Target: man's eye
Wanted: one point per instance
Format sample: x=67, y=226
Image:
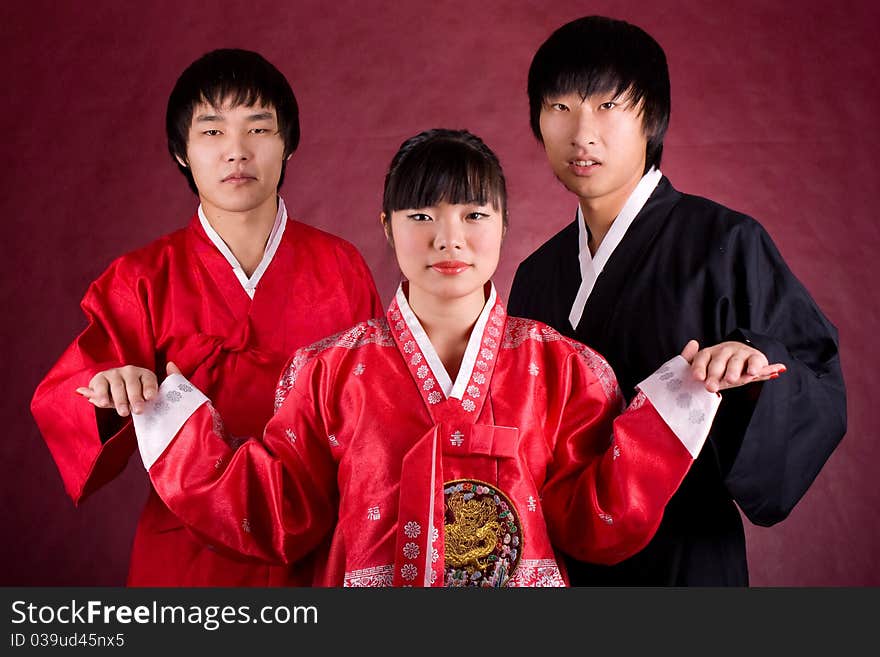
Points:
x=260, y=131
x=559, y=107
x=211, y=133
x=608, y=105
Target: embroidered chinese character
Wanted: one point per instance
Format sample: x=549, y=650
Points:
x=373, y=513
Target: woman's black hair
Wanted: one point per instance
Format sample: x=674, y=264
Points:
x=440, y=165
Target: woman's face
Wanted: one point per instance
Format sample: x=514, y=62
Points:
x=447, y=251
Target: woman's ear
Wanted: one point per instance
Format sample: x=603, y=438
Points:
x=386, y=226
x=181, y=161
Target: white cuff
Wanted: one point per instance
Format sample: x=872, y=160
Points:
x=164, y=415
x=683, y=402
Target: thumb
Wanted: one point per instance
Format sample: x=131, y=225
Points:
x=171, y=368
x=690, y=350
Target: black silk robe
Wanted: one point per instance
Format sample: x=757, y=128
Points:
x=690, y=268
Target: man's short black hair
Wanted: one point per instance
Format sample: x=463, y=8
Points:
x=240, y=77
x=441, y=165
x=596, y=54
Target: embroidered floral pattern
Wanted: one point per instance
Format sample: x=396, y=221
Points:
x=373, y=331
x=409, y=572
x=411, y=550
x=412, y=529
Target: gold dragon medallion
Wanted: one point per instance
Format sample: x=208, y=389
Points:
x=483, y=534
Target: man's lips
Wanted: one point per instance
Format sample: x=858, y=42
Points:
x=584, y=166
x=450, y=267
x=238, y=178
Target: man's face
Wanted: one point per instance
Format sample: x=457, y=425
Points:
x=235, y=155
x=595, y=145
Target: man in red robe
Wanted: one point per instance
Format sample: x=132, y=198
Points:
x=228, y=298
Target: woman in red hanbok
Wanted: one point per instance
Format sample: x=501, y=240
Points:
x=445, y=444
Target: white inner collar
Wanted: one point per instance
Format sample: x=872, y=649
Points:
x=592, y=265
x=249, y=284
x=442, y=377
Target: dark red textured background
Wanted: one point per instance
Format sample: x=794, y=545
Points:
x=775, y=109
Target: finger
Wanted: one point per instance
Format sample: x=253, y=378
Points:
x=690, y=350
x=734, y=372
x=771, y=371
x=88, y=393
x=100, y=391
x=716, y=368
x=756, y=362
x=171, y=368
x=133, y=389
x=701, y=362
x=149, y=384
x=118, y=393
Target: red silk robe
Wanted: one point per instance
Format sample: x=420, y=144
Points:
x=178, y=299
x=366, y=447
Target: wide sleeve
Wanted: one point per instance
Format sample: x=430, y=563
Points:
x=91, y=446
x=271, y=499
x=772, y=439
x=613, y=473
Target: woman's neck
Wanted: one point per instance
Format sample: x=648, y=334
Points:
x=448, y=323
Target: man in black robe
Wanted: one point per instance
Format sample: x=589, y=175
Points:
x=643, y=269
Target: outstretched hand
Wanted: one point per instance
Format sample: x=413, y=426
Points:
x=127, y=389
x=729, y=364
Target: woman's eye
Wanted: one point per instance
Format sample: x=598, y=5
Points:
x=477, y=215
x=419, y=216
x=608, y=105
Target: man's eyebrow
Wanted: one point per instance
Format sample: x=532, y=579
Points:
x=261, y=116
x=208, y=117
